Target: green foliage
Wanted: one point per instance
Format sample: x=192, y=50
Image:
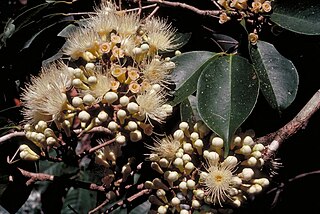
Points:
x=274, y=71
x=298, y=16
x=185, y=76
x=227, y=92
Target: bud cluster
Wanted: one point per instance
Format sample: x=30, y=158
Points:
x=195, y=174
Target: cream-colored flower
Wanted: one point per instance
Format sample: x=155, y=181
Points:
x=156, y=71
x=127, y=24
x=81, y=40
x=160, y=35
x=151, y=105
x=103, y=24
x=165, y=148
x=218, y=181
x=102, y=86
x=44, y=97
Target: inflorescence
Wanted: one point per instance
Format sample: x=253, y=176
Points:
x=195, y=176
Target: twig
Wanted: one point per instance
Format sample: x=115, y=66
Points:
x=93, y=149
x=34, y=177
x=99, y=207
x=281, y=186
x=11, y=135
x=213, y=13
x=274, y=140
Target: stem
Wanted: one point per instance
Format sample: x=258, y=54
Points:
x=11, y=135
x=213, y=13
x=274, y=140
x=34, y=177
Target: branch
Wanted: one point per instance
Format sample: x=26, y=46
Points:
x=300, y=121
x=213, y=13
x=11, y=135
x=34, y=177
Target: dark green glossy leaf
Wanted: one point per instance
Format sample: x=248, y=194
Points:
x=278, y=76
x=227, y=93
x=81, y=200
x=188, y=110
x=298, y=16
x=188, y=69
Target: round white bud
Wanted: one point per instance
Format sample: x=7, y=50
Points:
x=162, y=210
x=186, y=158
x=77, y=72
x=156, y=87
x=191, y=184
x=77, y=101
x=84, y=116
x=177, y=53
x=194, y=136
x=51, y=141
x=92, y=80
x=124, y=100
x=183, y=211
x=90, y=66
x=135, y=136
x=195, y=204
x=132, y=126
x=103, y=116
x=247, y=174
x=187, y=147
x=113, y=126
x=178, y=135
x=199, y=194
x=88, y=99
x=175, y=201
x=132, y=107
x=120, y=139
x=110, y=97
x=164, y=163
x=248, y=141
x=144, y=47
x=40, y=138
x=217, y=142
x=41, y=126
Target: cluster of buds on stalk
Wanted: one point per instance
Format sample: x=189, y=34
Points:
x=194, y=174
x=254, y=12
x=114, y=78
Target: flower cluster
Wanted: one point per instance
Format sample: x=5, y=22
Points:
x=195, y=175
x=114, y=78
x=253, y=11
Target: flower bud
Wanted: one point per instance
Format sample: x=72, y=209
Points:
x=113, y=126
x=191, y=184
x=120, y=139
x=77, y=102
x=189, y=167
x=79, y=84
x=248, y=141
x=162, y=209
x=135, y=136
x=195, y=204
x=84, y=116
x=199, y=194
x=162, y=195
x=88, y=99
x=41, y=126
x=110, y=97
x=247, y=174
x=92, y=80
x=164, y=163
x=194, y=136
x=178, y=135
x=51, y=141
x=155, y=166
x=187, y=148
x=178, y=162
x=121, y=115
x=27, y=154
x=198, y=144
x=124, y=100
x=183, y=187
x=167, y=109
x=132, y=107
x=102, y=116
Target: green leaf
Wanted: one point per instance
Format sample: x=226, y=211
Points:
x=188, y=69
x=278, y=76
x=227, y=93
x=188, y=110
x=81, y=200
x=298, y=16
x=142, y=208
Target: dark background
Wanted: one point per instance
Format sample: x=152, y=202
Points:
x=299, y=154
